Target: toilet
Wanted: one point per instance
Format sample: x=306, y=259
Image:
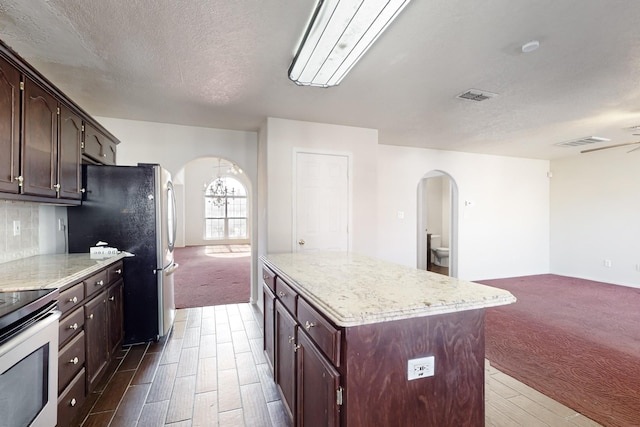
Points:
x=440, y=254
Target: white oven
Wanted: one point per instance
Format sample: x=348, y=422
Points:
x=29, y=371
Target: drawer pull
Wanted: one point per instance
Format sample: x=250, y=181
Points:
x=112, y=298
x=73, y=300
x=119, y=271
x=291, y=339
x=74, y=326
x=100, y=282
x=308, y=325
x=73, y=402
x=282, y=294
x=296, y=348
x=75, y=360
x=90, y=316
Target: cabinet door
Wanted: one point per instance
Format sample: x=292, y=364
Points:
x=317, y=391
x=95, y=329
x=98, y=147
x=269, y=325
x=285, y=361
x=69, y=165
x=40, y=141
x=9, y=127
x=115, y=316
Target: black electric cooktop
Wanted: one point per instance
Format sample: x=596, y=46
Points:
x=20, y=306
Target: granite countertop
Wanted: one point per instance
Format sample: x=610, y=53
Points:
x=50, y=271
x=352, y=289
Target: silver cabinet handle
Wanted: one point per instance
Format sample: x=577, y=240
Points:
x=112, y=298
x=282, y=294
x=73, y=402
x=291, y=339
x=20, y=180
x=75, y=360
x=83, y=190
x=119, y=271
x=296, y=348
x=90, y=316
x=73, y=300
x=100, y=282
x=301, y=242
x=308, y=325
x=74, y=326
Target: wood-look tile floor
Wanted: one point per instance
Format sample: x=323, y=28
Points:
x=211, y=371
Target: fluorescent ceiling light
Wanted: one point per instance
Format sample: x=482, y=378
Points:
x=339, y=33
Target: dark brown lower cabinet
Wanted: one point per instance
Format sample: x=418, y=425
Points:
x=95, y=326
x=269, y=299
x=115, y=316
x=285, y=358
x=318, y=387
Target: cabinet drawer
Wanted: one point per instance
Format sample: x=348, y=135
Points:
x=323, y=333
x=71, y=298
x=70, y=361
x=287, y=295
x=71, y=400
x=269, y=278
x=114, y=272
x=71, y=325
x=95, y=283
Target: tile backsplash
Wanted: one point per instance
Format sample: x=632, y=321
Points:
x=25, y=244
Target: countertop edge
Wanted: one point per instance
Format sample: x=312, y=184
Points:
x=75, y=277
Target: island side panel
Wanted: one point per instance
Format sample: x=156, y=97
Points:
x=377, y=391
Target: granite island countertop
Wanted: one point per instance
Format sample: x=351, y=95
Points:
x=50, y=271
x=353, y=289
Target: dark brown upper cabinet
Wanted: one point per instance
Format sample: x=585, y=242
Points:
x=9, y=127
x=98, y=147
x=69, y=154
x=40, y=142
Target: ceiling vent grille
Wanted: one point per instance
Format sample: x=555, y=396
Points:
x=582, y=141
x=476, y=95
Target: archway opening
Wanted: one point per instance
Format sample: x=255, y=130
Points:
x=437, y=233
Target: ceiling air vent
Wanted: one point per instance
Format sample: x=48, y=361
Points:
x=476, y=95
x=582, y=141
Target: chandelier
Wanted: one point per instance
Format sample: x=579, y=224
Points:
x=217, y=190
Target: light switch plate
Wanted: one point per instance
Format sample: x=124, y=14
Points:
x=16, y=228
x=420, y=368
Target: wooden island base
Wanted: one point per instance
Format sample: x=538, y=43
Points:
x=377, y=392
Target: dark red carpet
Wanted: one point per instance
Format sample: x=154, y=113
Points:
x=576, y=341
x=212, y=275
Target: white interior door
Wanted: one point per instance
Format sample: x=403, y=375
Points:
x=321, y=207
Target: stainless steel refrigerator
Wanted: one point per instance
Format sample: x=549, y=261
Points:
x=132, y=208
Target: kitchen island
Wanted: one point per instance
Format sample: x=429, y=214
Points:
x=356, y=341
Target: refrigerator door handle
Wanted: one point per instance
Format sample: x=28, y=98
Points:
x=170, y=269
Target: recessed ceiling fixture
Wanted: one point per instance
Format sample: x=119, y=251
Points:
x=476, y=95
x=530, y=46
x=339, y=33
x=582, y=141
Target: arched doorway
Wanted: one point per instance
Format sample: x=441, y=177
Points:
x=437, y=233
x=216, y=249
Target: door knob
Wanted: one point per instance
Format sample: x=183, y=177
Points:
x=301, y=242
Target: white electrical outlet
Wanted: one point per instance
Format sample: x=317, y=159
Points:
x=60, y=224
x=607, y=263
x=421, y=368
x=16, y=228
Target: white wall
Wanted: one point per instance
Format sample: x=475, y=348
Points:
x=595, y=216
x=282, y=136
x=505, y=233
x=174, y=146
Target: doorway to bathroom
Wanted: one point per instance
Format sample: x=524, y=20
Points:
x=437, y=224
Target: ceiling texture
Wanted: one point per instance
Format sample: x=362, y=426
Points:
x=223, y=64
